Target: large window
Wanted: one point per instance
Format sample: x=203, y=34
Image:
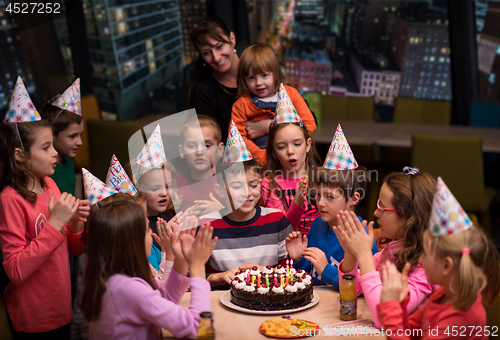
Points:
x=340, y=41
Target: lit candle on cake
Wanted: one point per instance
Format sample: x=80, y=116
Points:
x=287, y=267
x=248, y=275
x=253, y=280
x=286, y=282
x=275, y=279
x=258, y=280
x=267, y=280
x=282, y=281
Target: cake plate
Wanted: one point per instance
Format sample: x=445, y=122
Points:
x=225, y=299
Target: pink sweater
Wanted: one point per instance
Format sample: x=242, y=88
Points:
x=370, y=284
x=35, y=258
x=435, y=320
x=132, y=309
x=299, y=217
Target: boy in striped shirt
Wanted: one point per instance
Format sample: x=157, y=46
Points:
x=248, y=234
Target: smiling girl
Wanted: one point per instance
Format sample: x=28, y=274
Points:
x=290, y=154
x=259, y=78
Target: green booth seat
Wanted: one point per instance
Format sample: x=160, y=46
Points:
x=106, y=139
x=422, y=111
x=459, y=161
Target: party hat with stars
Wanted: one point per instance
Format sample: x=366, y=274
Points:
x=117, y=178
x=152, y=153
x=447, y=215
x=95, y=189
x=285, y=111
x=340, y=156
x=21, y=108
x=236, y=149
x=70, y=99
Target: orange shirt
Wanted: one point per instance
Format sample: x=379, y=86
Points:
x=244, y=110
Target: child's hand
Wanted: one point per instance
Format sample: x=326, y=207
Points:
x=207, y=206
x=352, y=234
x=188, y=223
x=258, y=129
x=175, y=244
x=165, y=230
x=295, y=245
x=317, y=258
x=198, y=250
x=223, y=277
x=301, y=192
x=249, y=265
x=179, y=218
x=63, y=210
x=246, y=266
x=83, y=211
x=180, y=262
x=395, y=284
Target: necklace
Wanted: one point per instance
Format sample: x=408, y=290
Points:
x=223, y=88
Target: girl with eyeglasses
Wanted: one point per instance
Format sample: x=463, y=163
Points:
x=403, y=211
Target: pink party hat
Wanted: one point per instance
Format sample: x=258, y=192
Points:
x=118, y=179
x=340, y=156
x=21, y=108
x=447, y=215
x=152, y=153
x=95, y=189
x=236, y=149
x=70, y=99
x=285, y=111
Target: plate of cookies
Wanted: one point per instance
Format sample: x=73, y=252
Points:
x=288, y=328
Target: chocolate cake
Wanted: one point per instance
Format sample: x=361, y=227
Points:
x=286, y=290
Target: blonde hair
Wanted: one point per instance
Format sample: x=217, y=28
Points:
x=477, y=272
x=259, y=58
x=135, y=172
x=202, y=121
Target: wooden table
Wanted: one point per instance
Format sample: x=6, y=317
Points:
x=400, y=135
x=233, y=325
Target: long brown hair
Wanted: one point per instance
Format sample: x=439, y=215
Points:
x=259, y=58
x=273, y=164
x=115, y=240
x=214, y=28
x=415, y=208
x=16, y=174
x=477, y=272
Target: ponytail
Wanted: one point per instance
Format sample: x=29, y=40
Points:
x=470, y=281
x=478, y=269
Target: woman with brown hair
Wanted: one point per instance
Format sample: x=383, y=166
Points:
x=213, y=81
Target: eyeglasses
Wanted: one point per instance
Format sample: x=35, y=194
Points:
x=384, y=209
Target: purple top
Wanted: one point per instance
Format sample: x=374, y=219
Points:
x=132, y=309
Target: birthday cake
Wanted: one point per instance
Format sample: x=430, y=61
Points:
x=272, y=289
